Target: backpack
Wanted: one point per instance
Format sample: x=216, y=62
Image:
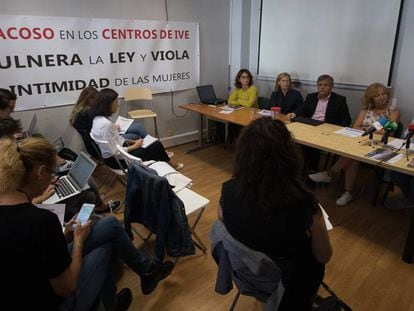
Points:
x=329, y=303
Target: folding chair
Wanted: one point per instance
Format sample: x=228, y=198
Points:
x=194, y=202
x=145, y=94
x=120, y=172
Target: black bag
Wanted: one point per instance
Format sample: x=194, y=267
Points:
x=330, y=303
x=67, y=154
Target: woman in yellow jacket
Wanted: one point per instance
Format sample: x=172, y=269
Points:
x=245, y=93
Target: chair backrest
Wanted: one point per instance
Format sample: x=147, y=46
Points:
x=263, y=102
x=138, y=93
x=91, y=147
x=128, y=158
x=254, y=273
x=114, y=151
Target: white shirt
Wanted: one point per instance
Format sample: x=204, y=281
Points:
x=105, y=131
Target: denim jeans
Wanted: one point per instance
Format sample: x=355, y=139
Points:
x=135, y=131
x=106, y=241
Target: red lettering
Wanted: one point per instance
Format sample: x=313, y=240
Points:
x=27, y=33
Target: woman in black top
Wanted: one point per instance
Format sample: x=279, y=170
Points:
x=267, y=207
x=284, y=96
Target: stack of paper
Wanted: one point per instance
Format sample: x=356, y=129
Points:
x=175, y=179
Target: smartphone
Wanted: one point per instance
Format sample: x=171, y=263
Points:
x=85, y=213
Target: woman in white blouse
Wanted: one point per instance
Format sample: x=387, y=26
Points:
x=103, y=107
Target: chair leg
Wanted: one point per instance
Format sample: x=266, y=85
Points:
x=236, y=298
x=156, y=128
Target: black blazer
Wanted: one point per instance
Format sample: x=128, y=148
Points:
x=336, y=113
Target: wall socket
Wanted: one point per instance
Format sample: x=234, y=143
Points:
x=170, y=133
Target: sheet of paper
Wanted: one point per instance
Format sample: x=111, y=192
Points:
x=123, y=123
x=226, y=111
x=328, y=224
x=397, y=143
x=58, y=209
x=148, y=140
x=350, y=132
x=178, y=181
x=162, y=168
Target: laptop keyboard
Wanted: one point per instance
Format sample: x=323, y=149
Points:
x=64, y=188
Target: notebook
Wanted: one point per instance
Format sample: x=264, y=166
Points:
x=29, y=132
x=75, y=181
x=307, y=121
x=207, y=95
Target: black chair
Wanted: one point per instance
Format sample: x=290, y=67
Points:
x=263, y=102
x=90, y=146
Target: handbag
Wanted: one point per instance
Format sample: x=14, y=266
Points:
x=329, y=303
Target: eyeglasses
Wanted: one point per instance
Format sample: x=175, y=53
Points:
x=244, y=77
x=55, y=176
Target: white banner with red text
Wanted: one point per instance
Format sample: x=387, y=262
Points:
x=47, y=61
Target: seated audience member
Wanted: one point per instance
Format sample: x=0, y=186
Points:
x=7, y=102
x=245, y=93
x=81, y=117
x=9, y=127
x=326, y=106
x=256, y=211
x=54, y=269
x=284, y=95
x=375, y=106
x=104, y=105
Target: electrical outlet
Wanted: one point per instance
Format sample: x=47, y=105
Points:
x=170, y=133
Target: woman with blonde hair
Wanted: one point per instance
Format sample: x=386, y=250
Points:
x=48, y=269
x=284, y=95
x=375, y=105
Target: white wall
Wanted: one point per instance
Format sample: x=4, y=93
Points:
x=213, y=17
x=403, y=78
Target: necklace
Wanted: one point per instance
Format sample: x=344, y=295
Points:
x=25, y=193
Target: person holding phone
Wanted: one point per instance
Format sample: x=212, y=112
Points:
x=52, y=269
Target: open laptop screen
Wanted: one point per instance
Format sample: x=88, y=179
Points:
x=82, y=169
x=206, y=93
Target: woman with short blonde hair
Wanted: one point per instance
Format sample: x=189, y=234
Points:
x=284, y=96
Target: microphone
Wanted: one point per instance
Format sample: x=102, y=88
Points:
x=376, y=126
x=389, y=128
x=409, y=136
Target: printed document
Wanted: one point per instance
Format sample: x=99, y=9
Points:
x=149, y=140
x=124, y=124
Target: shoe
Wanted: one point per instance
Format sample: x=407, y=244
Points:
x=178, y=166
x=149, y=280
x=123, y=299
x=345, y=199
x=65, y=166
x=398, y=204
x=111, y=207
x=170, y=154
x=321, y=177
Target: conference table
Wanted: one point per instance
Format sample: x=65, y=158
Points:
x=322, y=137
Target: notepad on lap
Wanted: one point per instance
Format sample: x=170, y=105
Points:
x=148, y=141
x=124, y=124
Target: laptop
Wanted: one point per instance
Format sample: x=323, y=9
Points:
x=208, y=96
x=29, y=132
x=75, y=181
x=307, y=121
